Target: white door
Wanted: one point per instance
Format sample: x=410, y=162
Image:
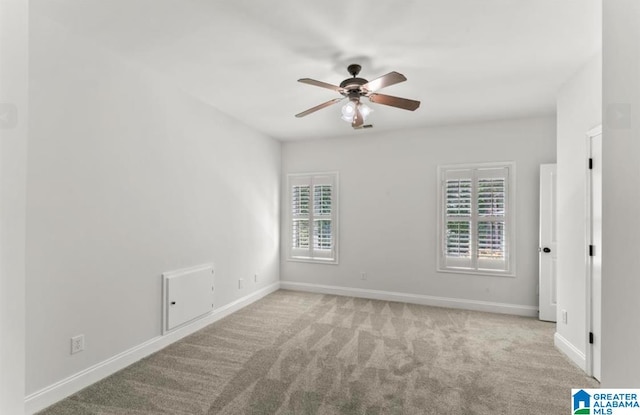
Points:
x=548, y=242
x=596, y=252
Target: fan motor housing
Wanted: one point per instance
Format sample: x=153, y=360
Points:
x=353, y=84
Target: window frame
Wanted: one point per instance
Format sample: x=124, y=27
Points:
x=451, y=170
x=315, y=256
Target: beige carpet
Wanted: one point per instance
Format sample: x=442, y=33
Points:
x=301, y=353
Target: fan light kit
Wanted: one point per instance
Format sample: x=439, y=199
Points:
x=354, y=88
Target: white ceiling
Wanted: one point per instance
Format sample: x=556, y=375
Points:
x=466, y=60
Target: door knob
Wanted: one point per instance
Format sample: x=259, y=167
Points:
x=546, y=250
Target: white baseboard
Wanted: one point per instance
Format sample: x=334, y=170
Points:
x=502, y=308
x=571, y=351
x=66, y=387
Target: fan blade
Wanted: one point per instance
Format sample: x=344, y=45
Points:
x=358, y=120
x=389, y=79
x=318, y=107
x=405, y=104
x=321, y=84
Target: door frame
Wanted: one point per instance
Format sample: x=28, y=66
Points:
x=595, y=131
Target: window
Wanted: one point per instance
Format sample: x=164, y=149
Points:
x=476, y=219
x=313, y=203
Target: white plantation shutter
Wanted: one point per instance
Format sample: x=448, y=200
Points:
x=476, y=228
x=322, y=212
x=458, y=198
x=491, y=198
x=313, y=217
x=300, y=202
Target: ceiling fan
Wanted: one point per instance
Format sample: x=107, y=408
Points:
x=354, y=88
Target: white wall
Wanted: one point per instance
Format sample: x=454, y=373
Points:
x=621, y=187
x=388, y=208
x=578, y=111
x=13, y=156
x=129, y=177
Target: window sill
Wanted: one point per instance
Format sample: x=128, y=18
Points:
x=314, y=261
x=476, y=272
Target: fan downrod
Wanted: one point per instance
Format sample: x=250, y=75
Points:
x=354, y=69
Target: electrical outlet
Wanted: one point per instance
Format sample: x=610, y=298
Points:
x=564, y=316
x=363, y=275
x=255, y=277
x=240, y=284
x=77, y=343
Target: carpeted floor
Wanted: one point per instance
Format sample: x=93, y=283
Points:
x=301, y=353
